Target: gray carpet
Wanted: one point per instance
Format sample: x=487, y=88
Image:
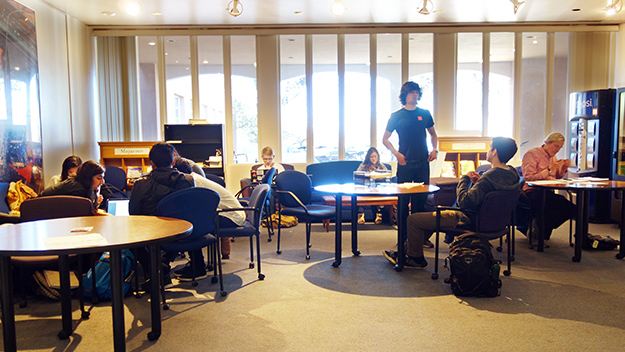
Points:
x=548, y=304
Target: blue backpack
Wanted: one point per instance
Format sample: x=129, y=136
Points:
x=103, y=275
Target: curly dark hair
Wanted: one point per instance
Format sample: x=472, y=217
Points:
x=162, y=154
x=407, y=88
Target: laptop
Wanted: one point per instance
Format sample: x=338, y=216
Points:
x=118, y=207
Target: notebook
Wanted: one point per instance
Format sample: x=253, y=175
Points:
x=118, y=207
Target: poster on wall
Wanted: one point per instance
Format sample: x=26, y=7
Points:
x=20, y=119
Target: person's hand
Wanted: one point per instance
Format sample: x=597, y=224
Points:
x=432, y=156
x=401, y=159
x=567, y=164
x=557, y=164
x=474, y=176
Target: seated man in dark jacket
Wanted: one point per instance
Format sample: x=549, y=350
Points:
x=149, y=190
x=500, y=177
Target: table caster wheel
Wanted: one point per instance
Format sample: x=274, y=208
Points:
x=307, y=257
x=279, y=252
x=223, y=293
x=194, y=283
x=499, y=249
x=85, y=315
x=251, y=265
x=356, y=252
x=620, y=256
x=214, y=280
x=571, y=245
x=512, y=258
x=269, y=240
x=336, y=264
x=261, y=276
x=166, y=306
x=153, y=336
x=398, y=268
x=63, y=335
x=434, y=276
x=506, y=273
x=576, y=259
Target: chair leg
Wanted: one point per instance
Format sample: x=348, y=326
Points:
x=81, y=293
x=193, y=264
x=267, y=217
x=509, y=271
x=279, y=231
x=23, y=280
x=251, y=265
x=308, y=229
x=221, y=276
x=261, y=276
x=213, y=253
x=438, y=226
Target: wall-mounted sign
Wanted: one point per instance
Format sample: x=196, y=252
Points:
x=132, y=151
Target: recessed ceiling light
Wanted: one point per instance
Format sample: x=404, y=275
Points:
x=133, y=8
x=156, y=14
x=176, y=61
x=205, y=61
x=17, y=68
x=151, y=43
x=298, y=12
x=576, y=10
x=535, y=41
x=108, y=13
x=186, y=68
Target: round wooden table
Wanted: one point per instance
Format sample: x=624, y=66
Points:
x=80, y=235
x=582, y=190
x=401, y=191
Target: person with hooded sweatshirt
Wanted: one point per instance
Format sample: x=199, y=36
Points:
x=149, y=190
x=500, y=177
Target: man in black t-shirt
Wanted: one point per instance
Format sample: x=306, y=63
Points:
x=411, y=124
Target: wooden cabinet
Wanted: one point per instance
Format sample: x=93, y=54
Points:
x=464, y=148
x=126, y=154
x=199, y=143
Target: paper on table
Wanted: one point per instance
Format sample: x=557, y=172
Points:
x=409, y=184
x=75, y=241
x=589, y=179
x=549, y=182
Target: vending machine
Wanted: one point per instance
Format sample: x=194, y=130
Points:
x=591, y=133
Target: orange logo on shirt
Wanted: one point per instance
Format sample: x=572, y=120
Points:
x=420, y=118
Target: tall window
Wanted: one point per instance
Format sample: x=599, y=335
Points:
x=388, y=85
x=421, y=67
x=244, y=99
x=211, y=79
x=357, y=96
x=533, y=89
x=293, y=106
x=501, y=85
x=178, y=74
x=148, y=86
x=325, y=98
x=469, y=83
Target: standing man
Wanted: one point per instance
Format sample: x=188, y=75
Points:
x=413, y=157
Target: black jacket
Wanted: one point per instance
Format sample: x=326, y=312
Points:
x=149, y=190
x=70, y=187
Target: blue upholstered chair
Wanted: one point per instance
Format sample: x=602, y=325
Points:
x=267, y=179
x=198, y=206
x=250, y=229
x=495, y=219
x=116, y=183
x=294, y=190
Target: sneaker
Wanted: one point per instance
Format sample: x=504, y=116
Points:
x=186, y=273
x=412, y=262
x=361, y=218
x=378, y=219
x=428, y=244
x=391, y=256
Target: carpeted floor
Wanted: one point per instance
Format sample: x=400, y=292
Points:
x=548, y=304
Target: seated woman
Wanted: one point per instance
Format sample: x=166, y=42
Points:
x=68, y=169
x=371, y=163
x=540, y=163
x=268, y=156
x=89, y=178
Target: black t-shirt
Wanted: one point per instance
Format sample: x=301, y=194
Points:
x=410, y=126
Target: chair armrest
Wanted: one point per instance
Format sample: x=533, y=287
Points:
x=9, y=219
x=240, y=192
x=295, y=198
x=235, y=209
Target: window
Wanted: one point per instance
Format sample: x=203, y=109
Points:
x=325, y=98
x=293, y=106
x=501, y=85
x=148, y=86
x=533, y=89
x=244, y=99
x=469, y=83
x=357, y=97
x=178, y=74
x=211, y=79
x=388, y=85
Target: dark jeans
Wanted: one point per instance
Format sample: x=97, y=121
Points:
x=415, y=171
x=557, y=209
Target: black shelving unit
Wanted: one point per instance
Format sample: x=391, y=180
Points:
x=197, y=142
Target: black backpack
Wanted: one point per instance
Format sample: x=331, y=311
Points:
x=474, y=271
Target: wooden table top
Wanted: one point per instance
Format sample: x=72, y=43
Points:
x=562, y=184
x=99, y=233
x=392, y=189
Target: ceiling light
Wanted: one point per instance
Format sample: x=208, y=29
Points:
x=108, y=13
x=151, y=43
x=205, y=61
x=235, y=8
x=133, y=8
x=425, y=10
x=614, y=7
x=517, y=5
x=337, y=7
x=156, y=14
